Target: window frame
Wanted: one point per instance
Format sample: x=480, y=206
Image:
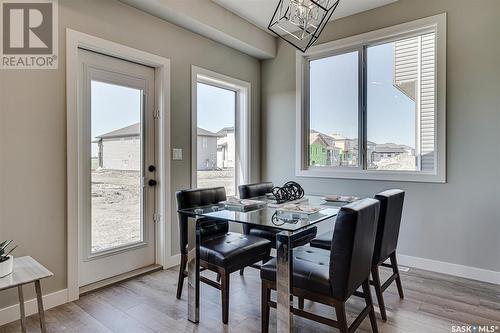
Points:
x=243, y=121
x=360, y=43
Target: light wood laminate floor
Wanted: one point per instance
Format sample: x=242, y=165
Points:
x=433, y=303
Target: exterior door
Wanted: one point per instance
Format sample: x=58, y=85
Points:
x=116, y=167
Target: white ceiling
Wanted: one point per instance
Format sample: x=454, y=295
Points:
x=259, y=12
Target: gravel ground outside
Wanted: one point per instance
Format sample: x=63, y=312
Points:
x=116, y=210
x=212, y=178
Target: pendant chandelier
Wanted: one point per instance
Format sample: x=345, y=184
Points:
x=300, y=22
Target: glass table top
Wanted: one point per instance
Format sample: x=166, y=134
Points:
x=271, y=217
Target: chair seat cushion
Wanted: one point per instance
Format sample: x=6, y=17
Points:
x=323, y=241
x=234, y=250
x=310, y=270
x=270, y=235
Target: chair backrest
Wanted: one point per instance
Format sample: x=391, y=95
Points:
x=251, y=191
x=198, y=198
x=391, y=208
x=254, y=190
x=352, y=246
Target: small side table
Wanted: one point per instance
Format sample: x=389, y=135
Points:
x=27, y=270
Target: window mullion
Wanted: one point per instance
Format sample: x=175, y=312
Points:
x=362, y=108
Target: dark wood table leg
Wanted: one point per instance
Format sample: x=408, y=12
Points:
x=21, y=308
x=41, y=314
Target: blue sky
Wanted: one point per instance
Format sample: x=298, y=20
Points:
x=334, y=98
x=391, y=114
x=113, y=107
x=216, y=107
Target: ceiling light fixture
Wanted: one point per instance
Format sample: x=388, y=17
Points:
x=300, y=22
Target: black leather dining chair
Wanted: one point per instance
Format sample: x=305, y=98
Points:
x=260, y=189
x=332, y=276
x=221, y=251
x=391, y=208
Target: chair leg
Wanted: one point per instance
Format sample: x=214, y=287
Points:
x=301, y=303
x=378, y=291
x=265, y=298
x=180, y=282
x=342, y=318
x=241, y=271
x=395, y=270
x=225, y=296
x=369, y=303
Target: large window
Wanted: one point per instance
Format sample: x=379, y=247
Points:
x=220, y=130
x=216, y=153
x=372, y=106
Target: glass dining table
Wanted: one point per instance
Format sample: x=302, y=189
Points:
x=289, y=225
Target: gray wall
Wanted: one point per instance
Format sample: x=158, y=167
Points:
x=456, y=222
x=33, y=124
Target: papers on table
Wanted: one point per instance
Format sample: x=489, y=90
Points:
x=243, y=204
x=299, y=208
x=339, y=198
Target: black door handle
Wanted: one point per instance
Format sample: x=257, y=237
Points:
x=152, y=182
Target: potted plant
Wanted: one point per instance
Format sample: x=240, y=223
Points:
x=6, y=260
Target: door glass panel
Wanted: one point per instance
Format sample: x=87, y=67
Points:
x=216, y=154
x=116, y=166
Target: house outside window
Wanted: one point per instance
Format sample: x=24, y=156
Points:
x=377, y=102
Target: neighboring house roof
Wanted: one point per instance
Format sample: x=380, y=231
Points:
x=314, y=135
x=391, y=148
x=338, y=137
x=316, y=138
x=323, y=139
x=135, y=130
x=128, y=131
x=204, y=132
x=225, y=131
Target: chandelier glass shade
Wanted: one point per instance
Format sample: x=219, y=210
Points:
x=300, y=22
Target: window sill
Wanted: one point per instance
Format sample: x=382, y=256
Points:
x=400, y=176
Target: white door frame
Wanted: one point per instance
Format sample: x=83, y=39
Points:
x=74, y=41
x=242, y=117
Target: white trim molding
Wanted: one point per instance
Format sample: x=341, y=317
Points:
x=359, y=43
x=243, y=118
x=467, y=272
x=11, y=313
x=77, y=40
x=173, y=260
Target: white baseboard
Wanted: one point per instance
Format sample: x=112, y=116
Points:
x=119, y=278
x=172, y=261
x=467, y=272
x=11, y=313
